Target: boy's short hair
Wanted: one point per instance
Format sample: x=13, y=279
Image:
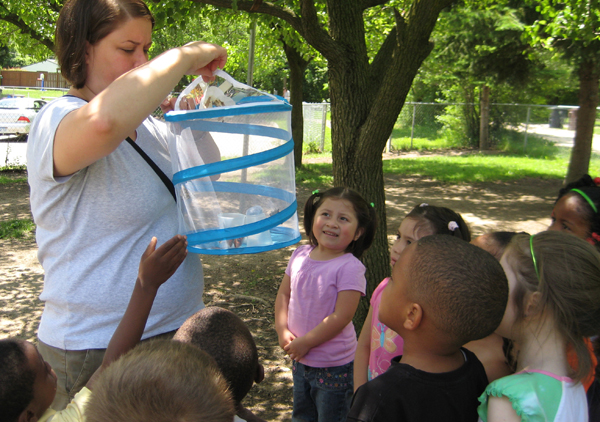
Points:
x=17, y=379
x=461, y=287
x=224, y=336
x=161, y=380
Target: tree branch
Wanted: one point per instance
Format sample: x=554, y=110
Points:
x=396, y=69
x=307, y=25
x=16, y=20
x=366, y=4
x=265, y=8
x=382, y=59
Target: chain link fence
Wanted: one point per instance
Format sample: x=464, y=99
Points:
x=461, y=121
x=417, y=122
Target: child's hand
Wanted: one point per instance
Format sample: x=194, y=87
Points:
x=286, y=338
x=297, y=348
x=156, y=266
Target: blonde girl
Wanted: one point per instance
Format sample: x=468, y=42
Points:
x=554, y=304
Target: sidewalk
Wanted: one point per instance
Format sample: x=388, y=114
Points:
x=561, y=137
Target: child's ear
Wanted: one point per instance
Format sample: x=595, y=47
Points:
x=414, y=315
x=359, y=233
x=27, y=416
x=532, y=304
x=260, y=373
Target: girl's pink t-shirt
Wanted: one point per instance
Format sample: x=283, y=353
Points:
x=313, y=295
x=385, y=342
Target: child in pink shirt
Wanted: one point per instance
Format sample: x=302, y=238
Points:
x=317, y=299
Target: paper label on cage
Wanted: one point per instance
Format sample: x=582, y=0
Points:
x=215, y=97
x=223, y=91
x=192, y=95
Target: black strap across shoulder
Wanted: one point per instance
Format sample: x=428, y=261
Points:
x=151, y=163
x=168, y=183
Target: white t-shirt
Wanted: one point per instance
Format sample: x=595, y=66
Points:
x=92, y=228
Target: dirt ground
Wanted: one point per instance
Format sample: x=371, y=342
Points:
x=247, y=284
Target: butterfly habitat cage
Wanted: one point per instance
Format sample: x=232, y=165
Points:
x=233, y=160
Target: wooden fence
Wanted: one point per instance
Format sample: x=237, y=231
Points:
x=32, y=79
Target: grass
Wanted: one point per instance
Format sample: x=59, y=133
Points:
x=16, y=229
x=4, y=180
x=33, y=93
x=542, y=159
x=315, y=176
x=12, y=174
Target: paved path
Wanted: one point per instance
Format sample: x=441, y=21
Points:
x=561, y=137
x=12, y=153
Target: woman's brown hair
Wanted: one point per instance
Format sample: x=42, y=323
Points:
x=568, y=284
x=89, y=21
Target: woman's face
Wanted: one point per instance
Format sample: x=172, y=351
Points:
x=119, y=52
x=568, y=216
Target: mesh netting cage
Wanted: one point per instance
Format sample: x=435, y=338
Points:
x=233, y=161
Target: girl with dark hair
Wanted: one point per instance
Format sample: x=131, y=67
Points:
x=94, y=198
x=317, y=299
x=576, y=210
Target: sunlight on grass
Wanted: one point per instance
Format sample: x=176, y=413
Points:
x=16, y=229
x=509, y=160
x=477, y=168
x=315, y=175
x=34, y=93
x=7, y=180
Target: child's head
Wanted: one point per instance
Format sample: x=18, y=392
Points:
x=354, y=228
x=158, y=381
x=224, y=336
x=495, y=242
x=563, y=282
x=27, y=382
x=424, y=220
x=456, y=289
x=576, y=210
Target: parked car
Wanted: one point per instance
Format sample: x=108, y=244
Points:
x=17, y=114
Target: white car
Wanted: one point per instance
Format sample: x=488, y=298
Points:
x=17, y=114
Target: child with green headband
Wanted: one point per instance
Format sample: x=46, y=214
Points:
x=576, y=210
x=553, y=305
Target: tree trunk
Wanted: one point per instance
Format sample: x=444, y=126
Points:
x=366, y=100
x=366, y=95
x=297, y=68
x=589, y=74
x=484, y=129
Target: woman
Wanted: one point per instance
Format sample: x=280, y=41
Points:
x=96, y=202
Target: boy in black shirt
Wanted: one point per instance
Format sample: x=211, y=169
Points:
x=444, y=292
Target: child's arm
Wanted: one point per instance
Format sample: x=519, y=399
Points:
x=363, y=352
x=500, y=410
x=331, y=326
x=156, y=266
x=281, y=313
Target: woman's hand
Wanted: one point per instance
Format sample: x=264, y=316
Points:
x=207, y=58
x=157, y=265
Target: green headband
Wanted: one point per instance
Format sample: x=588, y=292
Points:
x=587, y=198
x=533, y=256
